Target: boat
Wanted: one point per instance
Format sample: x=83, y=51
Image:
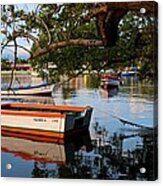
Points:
x=29, y=120
x=129, y=72
x=42, y=89
x=109, y=81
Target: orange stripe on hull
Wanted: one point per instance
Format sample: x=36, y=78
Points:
x=33, y=138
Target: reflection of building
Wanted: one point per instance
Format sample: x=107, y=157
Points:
x=80, y=82
x=75, y=83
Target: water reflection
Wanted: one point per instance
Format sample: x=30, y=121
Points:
x=110, y=150
x=107, y=93
x=81, y=157
x=21, y=79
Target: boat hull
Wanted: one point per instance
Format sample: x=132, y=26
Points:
x=54, y=126
x=37, y=91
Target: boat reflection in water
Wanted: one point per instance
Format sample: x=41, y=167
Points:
x=46, y=152
x=116, y=150
x=84, y=158
x=109, y=92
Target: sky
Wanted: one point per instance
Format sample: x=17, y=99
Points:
x=8, y=51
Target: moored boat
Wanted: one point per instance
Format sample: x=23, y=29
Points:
x=43, y=121
x=108, y=81
x=37, y=90
x=130, y=72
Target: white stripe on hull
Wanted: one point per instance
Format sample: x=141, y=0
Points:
x=38, y=123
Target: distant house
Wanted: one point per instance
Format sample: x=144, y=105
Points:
x=24, y=67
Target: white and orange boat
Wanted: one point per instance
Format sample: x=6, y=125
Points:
x=41, y=121
x=43, y=89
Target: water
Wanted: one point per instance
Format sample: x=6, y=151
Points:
x=111, y=149
x=21, y=79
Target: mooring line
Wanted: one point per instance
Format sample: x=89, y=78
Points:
x=124, y=121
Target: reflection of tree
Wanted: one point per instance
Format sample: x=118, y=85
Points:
x=39, y=170
x=67, y=92
x=102, y=159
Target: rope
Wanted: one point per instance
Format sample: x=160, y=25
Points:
x=124, y=121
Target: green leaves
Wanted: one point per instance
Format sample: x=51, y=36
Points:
x=52, y=23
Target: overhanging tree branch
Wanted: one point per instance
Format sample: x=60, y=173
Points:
x=71, y=42
x=46, y=28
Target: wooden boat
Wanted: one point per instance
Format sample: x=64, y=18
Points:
x=108, y=81
x=43, y=121
x=36, y=90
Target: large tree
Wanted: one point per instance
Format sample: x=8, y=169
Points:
x=84, y=29
x=53, y=26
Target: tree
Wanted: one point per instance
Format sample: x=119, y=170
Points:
x=58, y=29
x=64, y=20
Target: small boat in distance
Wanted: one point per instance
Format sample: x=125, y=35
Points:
x=109, y=81
x=130, y=72
x=43, y=121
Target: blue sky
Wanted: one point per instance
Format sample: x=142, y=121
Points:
x=8, y=52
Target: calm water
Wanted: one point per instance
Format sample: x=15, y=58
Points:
x=20, y=79
x=113, y=148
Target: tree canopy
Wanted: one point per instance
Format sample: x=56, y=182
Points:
x=82, y=35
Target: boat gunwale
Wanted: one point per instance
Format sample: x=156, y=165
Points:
x=58, y=108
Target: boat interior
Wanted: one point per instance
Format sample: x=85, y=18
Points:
x=62, y=109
